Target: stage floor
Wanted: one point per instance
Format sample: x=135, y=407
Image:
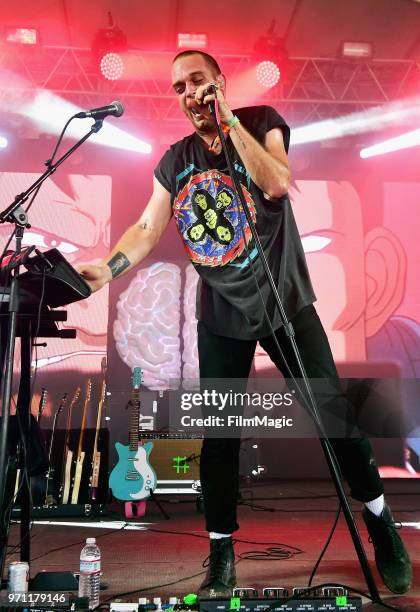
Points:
x=159, y=557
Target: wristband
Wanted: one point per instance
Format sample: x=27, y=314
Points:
x=232, y=122
x=226, y=127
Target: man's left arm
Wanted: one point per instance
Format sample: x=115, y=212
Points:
x=267, y=165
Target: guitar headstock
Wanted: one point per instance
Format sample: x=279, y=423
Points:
x=42, y=401
x=75, y=398
x=62, y=403
x=137, y=378
x=88, y=390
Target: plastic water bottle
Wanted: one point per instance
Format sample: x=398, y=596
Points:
x=90, y=572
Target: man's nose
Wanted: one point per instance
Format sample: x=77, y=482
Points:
x=190, y=90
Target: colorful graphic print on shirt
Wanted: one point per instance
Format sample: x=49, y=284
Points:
x=210, y=220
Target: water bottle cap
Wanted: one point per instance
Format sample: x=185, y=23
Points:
x=90, y=540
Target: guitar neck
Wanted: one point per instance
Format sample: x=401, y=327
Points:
x=135, y=418
x=68, y=426
x=69, y=416
x=52, y=438
x=99, y=417
x=83, y=424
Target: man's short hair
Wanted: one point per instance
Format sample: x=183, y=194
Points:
x=208, y=58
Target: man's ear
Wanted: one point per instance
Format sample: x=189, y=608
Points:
x=385, y=266
x=221, y=81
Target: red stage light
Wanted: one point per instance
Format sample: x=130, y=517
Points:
x=23, y=36
x=112, y=66
x=268, y=74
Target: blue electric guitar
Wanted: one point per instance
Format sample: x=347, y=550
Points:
x=133, y=478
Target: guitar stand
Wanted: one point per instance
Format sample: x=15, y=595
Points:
x=137, y=509
x=159, y=505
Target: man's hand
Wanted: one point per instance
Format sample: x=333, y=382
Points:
x=96, y=275
x=205, y=95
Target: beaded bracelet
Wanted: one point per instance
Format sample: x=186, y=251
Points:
x=226, y=127
x=216, y=142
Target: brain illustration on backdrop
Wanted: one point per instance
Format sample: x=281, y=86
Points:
x=190, y=371
x=146, y=330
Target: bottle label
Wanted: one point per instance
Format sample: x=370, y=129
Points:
x=90, y=567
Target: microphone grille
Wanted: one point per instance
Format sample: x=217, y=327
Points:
x=119, y=108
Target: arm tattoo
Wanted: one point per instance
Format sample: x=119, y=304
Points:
x=145, y=225
x=118, y=264
x=243, y=145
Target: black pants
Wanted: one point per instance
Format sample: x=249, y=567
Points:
x=222, y=357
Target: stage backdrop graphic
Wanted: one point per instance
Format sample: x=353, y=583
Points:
x=362, y=263
x=72, y=215
x=360, y=238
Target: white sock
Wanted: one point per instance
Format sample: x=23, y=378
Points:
x=217, y=536
x=376, y=505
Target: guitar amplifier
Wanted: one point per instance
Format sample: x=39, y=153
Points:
x=177, y=464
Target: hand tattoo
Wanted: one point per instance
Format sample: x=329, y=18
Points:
x=118, y=264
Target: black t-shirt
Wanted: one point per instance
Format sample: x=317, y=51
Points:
x=212, y=226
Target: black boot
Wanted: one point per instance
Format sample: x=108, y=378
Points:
x=391, y=557
x=220, y=579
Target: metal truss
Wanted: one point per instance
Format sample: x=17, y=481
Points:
x=310, y=88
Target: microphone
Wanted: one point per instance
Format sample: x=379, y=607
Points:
x=115, y=108
x=211, y=105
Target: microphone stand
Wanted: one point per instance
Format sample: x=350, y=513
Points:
x=313, y=410
x=15, y=213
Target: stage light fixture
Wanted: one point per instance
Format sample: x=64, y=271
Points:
x=21, y=36
x=107, y=48
x=3, y=142
x=357, y=50
x=271, y=55
x=187, y=40
x=112, y=66
x=268, y=73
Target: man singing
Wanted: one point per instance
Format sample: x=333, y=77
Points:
x=191, y=183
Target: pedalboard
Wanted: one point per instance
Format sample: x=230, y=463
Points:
x=313, y=604
x=275, y=599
